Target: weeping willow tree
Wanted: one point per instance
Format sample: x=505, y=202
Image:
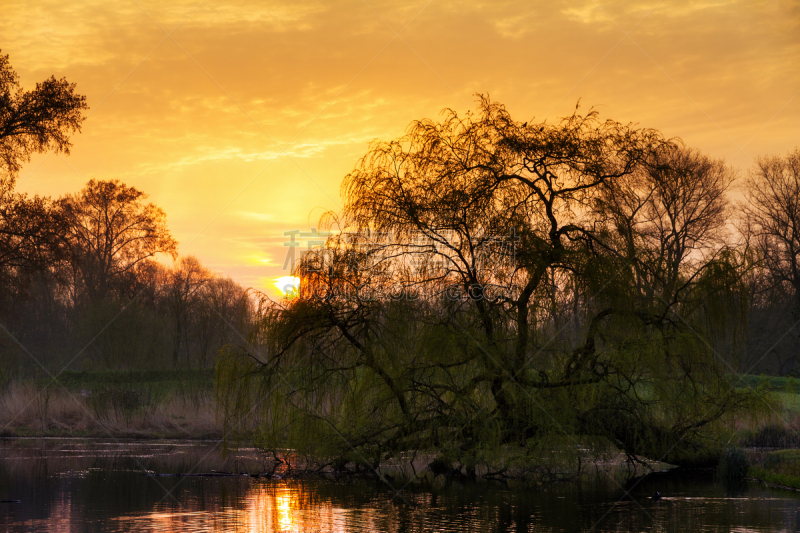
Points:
x=499, y=292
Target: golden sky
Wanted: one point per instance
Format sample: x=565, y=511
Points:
x=240, y=119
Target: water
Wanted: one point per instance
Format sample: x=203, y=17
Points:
x=73, y=485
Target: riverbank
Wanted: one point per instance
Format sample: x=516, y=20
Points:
x=180, y=404
x=780, y=468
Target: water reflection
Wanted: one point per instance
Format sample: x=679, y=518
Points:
x=266, y=507
x=95, y=486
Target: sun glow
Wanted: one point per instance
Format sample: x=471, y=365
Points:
x=288, y=285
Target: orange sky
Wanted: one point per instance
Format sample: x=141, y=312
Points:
x=240, y=119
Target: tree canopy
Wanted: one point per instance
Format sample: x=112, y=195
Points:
x=37, y=120
x=80, y=286
x=31, y=121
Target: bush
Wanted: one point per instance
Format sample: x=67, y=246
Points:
x=771, y=436
x=733, y=466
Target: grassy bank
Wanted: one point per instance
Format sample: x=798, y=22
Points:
x=778, y=468
x=773, y=439
x=144, y=404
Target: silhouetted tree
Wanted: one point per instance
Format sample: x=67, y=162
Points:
x=184, y=282
x=68, y=268
x=110, y=232
x=31, y=121
x=667, y=225
x=772, y=215
x=222, y=315
x=482, y=296
x=771, y=223
x=670, y=217
x=30, y=233
x=34, y=121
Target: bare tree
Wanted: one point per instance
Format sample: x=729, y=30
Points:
x=772, y=217
x=770, y=220
x=110, y=231
x=184, y=282
x=669, y=220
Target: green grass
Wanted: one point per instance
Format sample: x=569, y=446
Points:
x=784, y=457
x=775, y=478
x=780, y=468
x=789, y=385
x=785, y=391
x=789, y=401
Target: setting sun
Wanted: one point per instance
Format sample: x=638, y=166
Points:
x=288, y=285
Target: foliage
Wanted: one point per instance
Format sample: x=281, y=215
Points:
x=30, y=122
x=30, y=230
x=34, y=121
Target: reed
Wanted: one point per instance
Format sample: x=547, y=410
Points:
x=29, y=409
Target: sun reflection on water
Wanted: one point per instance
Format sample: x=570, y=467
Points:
x=263, y=508
x=284, y=505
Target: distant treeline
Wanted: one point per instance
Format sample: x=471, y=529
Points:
x=81, y=289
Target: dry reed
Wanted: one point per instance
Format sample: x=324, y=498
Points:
x=30, y=410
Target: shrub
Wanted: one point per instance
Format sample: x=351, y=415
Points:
x=733, y=466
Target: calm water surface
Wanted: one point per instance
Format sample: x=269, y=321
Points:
x=70, y=485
